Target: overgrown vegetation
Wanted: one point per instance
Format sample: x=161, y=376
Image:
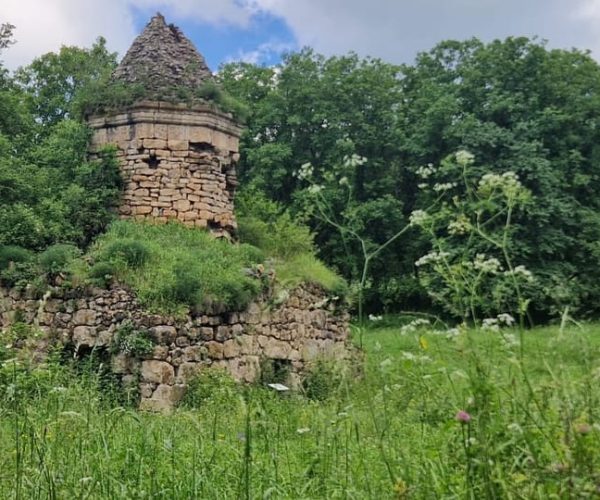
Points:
x=170, y=266
x=286, y=241
x=514, y=104
x=436, y=414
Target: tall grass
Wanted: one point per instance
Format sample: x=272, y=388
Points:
x=390, y=433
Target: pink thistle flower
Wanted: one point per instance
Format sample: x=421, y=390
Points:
x=463, y=417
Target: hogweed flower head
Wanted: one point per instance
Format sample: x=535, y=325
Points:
x=464, y=157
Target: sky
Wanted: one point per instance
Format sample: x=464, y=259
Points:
x=259, y=31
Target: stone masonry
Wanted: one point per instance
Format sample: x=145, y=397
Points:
x=305, y=327
x=177, y=159
x=177, y=162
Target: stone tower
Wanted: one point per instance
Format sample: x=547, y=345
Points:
x=177, y=159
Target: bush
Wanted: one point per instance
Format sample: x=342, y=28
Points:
x=322, y=380
x=11, y=254
x=17, y=266
x=308, y=269
x=101, y=274
x=212, y=387
x=133, y=253
x=128, y=340
x=56, y=259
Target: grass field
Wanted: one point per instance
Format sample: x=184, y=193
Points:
x=388, y=428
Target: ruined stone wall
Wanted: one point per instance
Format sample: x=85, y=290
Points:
x=306, y=326
x=177, y=163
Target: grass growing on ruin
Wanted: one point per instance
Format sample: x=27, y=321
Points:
x=172, y=266
x=526, y=430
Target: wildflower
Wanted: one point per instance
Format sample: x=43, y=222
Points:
x=422, y=185
x=459, y=226
x=463, y=417
x=452, y=333
x=372, y=317
x=490, y=325
x=506, y=319
x=432, y=257
x=343, y=181
x=488, y=266
x=303, y=430
x=464, y=157
x=315, y=189
x=413, y=325
x=418, y=218
x=426, y=172
x=443, y=186
x=305, y=172
x=523, y=272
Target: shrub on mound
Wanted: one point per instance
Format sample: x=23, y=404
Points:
x=172, y=267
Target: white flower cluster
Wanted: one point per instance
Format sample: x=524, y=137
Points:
x=521, y=272
x=464, y=158
x=354, y=160
x=490, y=325
x=494, y=324
x=505, y=181
x=409, y=356
x=506, y=319
x=432, y=257
x=459, y=226
x=426, y=172
x=414, y=325
x=315, y=188
x=305, y=172
x=487, y=266
x=418, y=218
x=444, y=186
x=372, y=317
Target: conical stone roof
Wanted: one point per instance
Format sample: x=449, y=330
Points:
x=163, y=61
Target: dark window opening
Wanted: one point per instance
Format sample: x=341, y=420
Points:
x=200, y=147
x=152, y=161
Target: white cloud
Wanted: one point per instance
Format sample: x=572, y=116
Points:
x=45, y=25
x=394, y=30
x=264, y=52
x=212, y=11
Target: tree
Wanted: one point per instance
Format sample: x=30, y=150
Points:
x=520, y=107
x=53, y=81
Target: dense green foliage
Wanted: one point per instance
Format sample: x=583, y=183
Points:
x=49, y=191
x=391, y=433
x=170, y=266
x=516, y=105
x=285, y=241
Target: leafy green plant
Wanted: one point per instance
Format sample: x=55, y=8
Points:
x=471, y=270
x=101, y=274
x=323, y=379
x=57, y=258
x=212, y=387
x=131, y=341
x=133, y=253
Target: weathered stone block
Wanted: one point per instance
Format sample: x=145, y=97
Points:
x=84, y=317
x=159, y=372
